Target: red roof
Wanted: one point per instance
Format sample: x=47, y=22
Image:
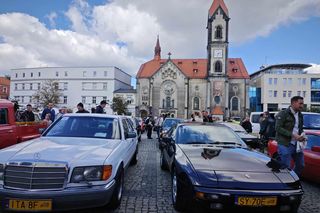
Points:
x=194, y=68
x=215, y=5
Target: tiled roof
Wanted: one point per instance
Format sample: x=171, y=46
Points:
x=4, y=81
x=215, y=5
x=236, y=69
x=194, y=68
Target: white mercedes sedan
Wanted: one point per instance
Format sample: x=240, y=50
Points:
x=78, y=162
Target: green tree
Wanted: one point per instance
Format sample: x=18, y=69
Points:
x=48, y=93
x=119, y=105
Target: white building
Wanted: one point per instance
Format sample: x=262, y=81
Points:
x=272, y=87
x=129, y=96
x=88, y=85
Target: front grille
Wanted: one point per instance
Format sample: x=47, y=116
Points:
x=36, y=176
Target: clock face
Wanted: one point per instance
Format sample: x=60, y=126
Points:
x=217, y=53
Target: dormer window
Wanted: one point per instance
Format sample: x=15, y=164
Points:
x=234, y=70
x=218, y=33
x=195, y=70
x=179, y=62
x=195, y=63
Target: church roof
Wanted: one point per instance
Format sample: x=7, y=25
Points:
x=194, y=68
x=215, y=5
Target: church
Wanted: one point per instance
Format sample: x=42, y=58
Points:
x=181, y=87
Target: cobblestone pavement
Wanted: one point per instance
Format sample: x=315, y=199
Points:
x=147, y=187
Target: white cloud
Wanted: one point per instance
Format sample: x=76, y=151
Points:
x=52, y=16
x=314, y=69
x=96, y=30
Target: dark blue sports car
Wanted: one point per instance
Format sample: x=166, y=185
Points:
x=210, y=165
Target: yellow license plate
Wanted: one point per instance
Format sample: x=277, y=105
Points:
x=256, y=201
x=30, y=205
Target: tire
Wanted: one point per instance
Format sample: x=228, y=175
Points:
x=134, y=159
x=163, y=163
x=181, y=193
x=118, y=191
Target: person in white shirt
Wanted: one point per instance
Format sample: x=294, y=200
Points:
x=158, y=125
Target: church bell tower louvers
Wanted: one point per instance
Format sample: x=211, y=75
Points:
x=217, y=50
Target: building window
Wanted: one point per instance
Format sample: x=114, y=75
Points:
x=275, y=81
x=289, y=81
x=304, y=93
x=218, y=66
x=163, y=103
x=105, y=86
x=65, y=73
x=270, y=93
x=196, y=103
x=94, y=99
x=4, y=90
x=275, y=93
x=38, y=86
x=299, y=81
x=104, y=98
x=284, y=81
x=172, y=103
x=16, y=75
x=289, y=94
x=83, y=99
x=304, y=81
x=65, y=86
x=57, y=74
x=94, y=73
x=65, y=99
x=270, y=81
x=105, y=73
x=168, y=102
x=235, y=104
x=218, y=33
x=84, y=73
x=284, y=94
x=39, y=74
x=15, y=86
x=22, y=99
x=31, y=74
x=31, y=88
x=22, y=86
x=94, y=86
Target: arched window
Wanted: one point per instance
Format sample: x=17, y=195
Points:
x=196, y=103
x=168, y=102
x=218, y=66
x=235, y=103
x=218, y=33
x=163, y=103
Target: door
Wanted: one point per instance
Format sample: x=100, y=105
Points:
x=130, y=143
x=7, y=131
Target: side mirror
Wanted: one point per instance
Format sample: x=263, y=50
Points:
x=315, y=148
x=130, y=135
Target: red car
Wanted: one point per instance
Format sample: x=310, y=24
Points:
x=311, y=170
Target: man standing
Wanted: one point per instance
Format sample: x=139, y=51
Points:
x=102, y=105
x=158, y=125
x=81, y=108
x=290, y=135
x=49, y=110
x=28, y=115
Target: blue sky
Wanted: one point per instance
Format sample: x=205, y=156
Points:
x=123, y=33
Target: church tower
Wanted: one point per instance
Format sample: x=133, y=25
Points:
x=217, y=48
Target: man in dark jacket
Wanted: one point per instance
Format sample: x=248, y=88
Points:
x=81, y=108
x=28, y=115
x=246, y=124
x=102, y=105
x=290, y=135
x=49, y=110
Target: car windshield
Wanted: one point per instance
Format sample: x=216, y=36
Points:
x=170, y=122
x=201, y=134
x=313, y=140
x=89, y=127
x=235, y=127
x=311, y=121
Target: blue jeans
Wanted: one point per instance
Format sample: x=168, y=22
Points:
x=287, y=153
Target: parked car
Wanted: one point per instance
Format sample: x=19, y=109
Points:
x=167, y=124
x=251, y=140
x=311, y=153
x=13, y=132
x=78, y=162
x=210, y=165
x=136, y=124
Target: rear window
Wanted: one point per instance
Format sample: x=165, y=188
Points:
x=311, y=121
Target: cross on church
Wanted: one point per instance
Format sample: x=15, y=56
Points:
x=169, y=54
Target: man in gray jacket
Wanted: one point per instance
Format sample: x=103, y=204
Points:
x=290, y=135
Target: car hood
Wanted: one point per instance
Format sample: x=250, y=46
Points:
x=235, y=168
x=77, y=151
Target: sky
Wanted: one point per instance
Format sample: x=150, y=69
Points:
x=123, y=33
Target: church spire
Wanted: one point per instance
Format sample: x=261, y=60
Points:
x=157, y=50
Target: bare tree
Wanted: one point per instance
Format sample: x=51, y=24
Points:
x=48, y=93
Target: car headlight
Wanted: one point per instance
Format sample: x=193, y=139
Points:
x=1, y=172
x=91, y=173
